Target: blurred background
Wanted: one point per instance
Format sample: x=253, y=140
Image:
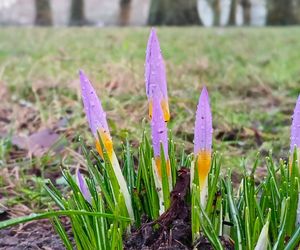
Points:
x=149, y=12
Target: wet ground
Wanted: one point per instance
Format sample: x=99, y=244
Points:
x=36, y=235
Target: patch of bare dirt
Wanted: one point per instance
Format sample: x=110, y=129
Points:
x=36, y=235
x=243, y=133
x=172, y=230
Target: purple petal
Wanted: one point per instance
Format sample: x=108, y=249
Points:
x=92, y=106
x=155, y=73
x=295, y=129
x=159, y=128
x=203, y=124
x=83, y=188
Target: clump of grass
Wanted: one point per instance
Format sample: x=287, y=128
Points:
x=252, y=216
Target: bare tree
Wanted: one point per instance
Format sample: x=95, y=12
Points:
x=173, y=12
x=281, y=12
x=216, y=6
x=125, y=8
x=77, y=16
x=246, y=5
x=43, y=16
x=232, y=13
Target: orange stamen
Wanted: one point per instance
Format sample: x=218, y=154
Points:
x=164, y=106
x=158, y=166
x=150, y=108
x=203, y=163
x=107, y=142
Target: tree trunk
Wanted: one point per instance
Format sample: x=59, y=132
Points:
x=173, y=12
x=246, y=5
x=232, y=13
x=43, y=15
x=125, y=8
x=217, y=12
x=281, y=12
x=77, y=17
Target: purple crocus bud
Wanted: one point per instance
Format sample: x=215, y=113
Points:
x=98, y=124
x=155, y=75
x=159, y=133
x=203, y=124
x=95, y=115
x=203, y=136
x=295, y=129
x=83, y=187
x=93, y=109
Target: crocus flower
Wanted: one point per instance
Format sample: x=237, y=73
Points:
x=95, y=115
x=155, y=75
x=203, y=140
x=295, y=133
x=160, y=142
x=295, y=129
x=159, y=134
x=295, y=144
x=97, y=121
x=83, y=187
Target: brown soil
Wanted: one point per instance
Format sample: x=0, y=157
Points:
x=172, y=230
x=34, y=235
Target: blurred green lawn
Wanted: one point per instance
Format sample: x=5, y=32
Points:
x=252, y=74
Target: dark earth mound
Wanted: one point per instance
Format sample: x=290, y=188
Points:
x=172, y=230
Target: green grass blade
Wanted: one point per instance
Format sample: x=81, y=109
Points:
x=294, y=241
x=47, y=215
x=61, y=232
x=235, y=216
